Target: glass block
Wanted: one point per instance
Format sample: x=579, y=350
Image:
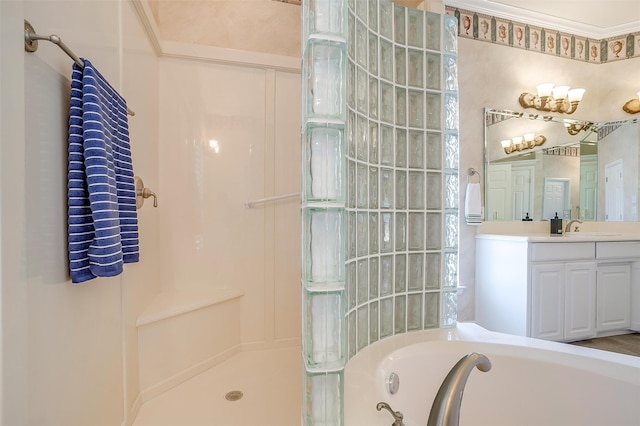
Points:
x=373, y=14
x=401, y=231
x=324, y=162
x=451, y=112
x=400, y=59
x=416, y=190
x=451, y=230
x=351, y=40
x=362, y=188
x=434, y=151
x=399, y=24
x=449, y=309
x=363, y=281
x=351, y=235
x=386, y=188
x=415, y=27
x=386, y=103
x=450, y=73
x=416, y=271
x=432, y=41
x=324, y=343
x=373, y=278
x=434, y=231
x=386, y=317
x=362, y=236
x=374, y=322
x=352, y=333
x=414, y=312
x=351, y=134
x=401, y=189
x=451, y=191
x=386, y=60
x=431, y=311
x=386, y=19
x=400, y=314
x=351, y=184
x=324, y=251
x=452, y=151
x=351, y=285
x=434, y=104
x=373, y=54
x=361, y=44
x=416, y=149
x=416, y=231
x=433, y=71
x=351, y=83
x=362, y=10
x=373, y=98
x=401, y=106
x=373, y=141
x=416, y=108
x=450, y=36
x=362, y=138
x=400, y=273
x=373, y=188
x=386, y=145
x=325, y=79
x=325, y=16
x=434, y=191
x=323, y=404
x=373, y=233
x=362, y=91
x=386, y=275
x=386, y=245
x=363, y=326
x=415, y=68
x=450, y=270
x=401, y=148
x=432, y=271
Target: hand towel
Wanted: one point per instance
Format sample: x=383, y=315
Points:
x=473, y=203
x=102, y=216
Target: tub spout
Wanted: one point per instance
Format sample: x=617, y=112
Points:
x=397, y=415
x=445, y=410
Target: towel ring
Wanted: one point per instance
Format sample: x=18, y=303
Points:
x=470, y=172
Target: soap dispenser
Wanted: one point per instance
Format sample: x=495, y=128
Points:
x=527, y=218
x=556, y=225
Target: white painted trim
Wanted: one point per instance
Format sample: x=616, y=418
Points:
x=143, y=10
x=548, y=22
x=275, y=344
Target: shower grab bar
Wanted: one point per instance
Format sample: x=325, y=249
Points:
x=445, y=410
x=250, y=204
x=31, y=45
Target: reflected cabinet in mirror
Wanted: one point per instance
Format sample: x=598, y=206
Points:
x=539, y=165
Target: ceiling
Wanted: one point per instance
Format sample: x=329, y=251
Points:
x=591, y=18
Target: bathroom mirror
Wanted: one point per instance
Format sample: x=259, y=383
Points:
x=537, y=165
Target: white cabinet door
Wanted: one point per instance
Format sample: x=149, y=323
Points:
x=547, y=304
x=614, y=297
x=580, y=300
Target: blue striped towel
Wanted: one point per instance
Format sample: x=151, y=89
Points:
x=102, y=221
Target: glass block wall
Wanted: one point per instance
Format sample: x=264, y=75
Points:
x=380, y=184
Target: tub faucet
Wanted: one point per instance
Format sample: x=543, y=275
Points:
x=445, y=410
x=397, y=415
x=571, y=222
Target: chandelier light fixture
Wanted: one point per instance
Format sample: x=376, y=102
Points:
x=520, y=143
x=632, y=106
x=560, y=99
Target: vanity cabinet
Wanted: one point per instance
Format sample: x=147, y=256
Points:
x=554, y=288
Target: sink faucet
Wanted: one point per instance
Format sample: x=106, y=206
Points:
x=397, y=415
x=571, y=222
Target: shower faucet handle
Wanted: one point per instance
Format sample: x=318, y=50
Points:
x=397, y=415
x=142, y=193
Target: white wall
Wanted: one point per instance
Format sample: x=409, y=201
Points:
x=69, y=352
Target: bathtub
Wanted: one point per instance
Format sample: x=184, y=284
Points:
x=531, y=382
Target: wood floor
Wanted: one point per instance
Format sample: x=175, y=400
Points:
x=628, y=344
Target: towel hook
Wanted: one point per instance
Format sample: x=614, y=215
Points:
x=470, y=172
x=142, y=193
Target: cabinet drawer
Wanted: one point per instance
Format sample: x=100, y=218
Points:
x=617, y=249
x=562, y=251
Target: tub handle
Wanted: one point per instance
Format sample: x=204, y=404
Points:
x=397, y=415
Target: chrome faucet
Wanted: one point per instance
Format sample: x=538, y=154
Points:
x=445, y=410
x=571, y=222
x=397, y=415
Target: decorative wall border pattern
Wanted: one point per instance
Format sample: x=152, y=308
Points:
x=491, y=29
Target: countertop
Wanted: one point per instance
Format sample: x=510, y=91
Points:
x=573, y=237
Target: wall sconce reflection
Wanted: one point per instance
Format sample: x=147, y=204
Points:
x=632, y=106
x=560, y=99
x=520, y=143
x=574, y=127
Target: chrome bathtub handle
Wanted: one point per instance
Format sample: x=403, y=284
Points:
x=397, y=415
